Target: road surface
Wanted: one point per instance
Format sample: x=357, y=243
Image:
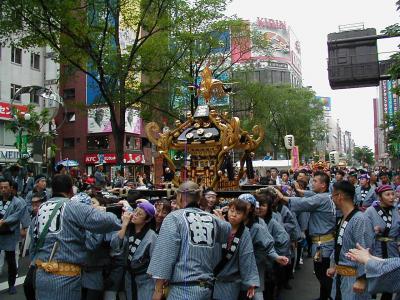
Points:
x=304, y=285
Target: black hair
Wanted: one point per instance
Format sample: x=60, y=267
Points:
x=41, y=195
x=381, y=174
x=14, y=185
x=4, y=179
x=266, y=199
x=340, y=172
x=285, y=172
x=59, y=168
x=346, y=188
x=61, y=184
x=324, y=178
x=239, y=205
x=166, y=205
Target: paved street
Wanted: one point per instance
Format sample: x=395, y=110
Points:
x=305, y=285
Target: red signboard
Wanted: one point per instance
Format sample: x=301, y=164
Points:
x=111, y=158
x=5, y=110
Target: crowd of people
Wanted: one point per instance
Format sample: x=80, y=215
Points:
x=196, y=245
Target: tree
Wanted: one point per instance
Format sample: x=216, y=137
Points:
x=221, y=43
x=283, y=110
x=391, y=127
x=116, y=43
x=30, y=130
x=363, y=155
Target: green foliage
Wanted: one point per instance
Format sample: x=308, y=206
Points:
x=363, y=155
x=33, y=126
x=128, y=48
x=392, y=130
x=283, y=110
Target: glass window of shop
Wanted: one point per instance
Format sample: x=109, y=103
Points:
x=133, y=143
x=98, y=142
x=7, y=137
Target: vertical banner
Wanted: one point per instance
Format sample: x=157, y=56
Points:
x=24, y=144
x=295, y=158
x=395, y=97
x=376, y=130
x=390, y=97
x=384, y=96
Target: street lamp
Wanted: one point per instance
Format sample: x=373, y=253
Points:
x=51, y=102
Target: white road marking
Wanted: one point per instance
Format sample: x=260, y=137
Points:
x=19, y=281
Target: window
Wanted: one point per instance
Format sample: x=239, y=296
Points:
x=34, y=98
x=7, y=137
x=14, y=89
x=16, y=55
x=98, y=142
x=69, y=93
x=71, y=117
x=133, y=143
x=35, y=61
x=68, y=142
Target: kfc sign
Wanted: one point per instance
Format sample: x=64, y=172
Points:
x=5, y=110
x=108, y=158
x=111, y=158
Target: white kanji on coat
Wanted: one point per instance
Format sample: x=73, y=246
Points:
x=201, y=228
x=45, y=211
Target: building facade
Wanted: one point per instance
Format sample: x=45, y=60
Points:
x=386, y=104
x=19, y=68
x=86, y=135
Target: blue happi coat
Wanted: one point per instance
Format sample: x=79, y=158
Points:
x=12, y=212
x=356, y=231
x=68, y=228
x=394, y=232
x=368, y=200
x=187, y=250
x=144, y=283
x=383, y=276
x=241, y=269
x=322, y=217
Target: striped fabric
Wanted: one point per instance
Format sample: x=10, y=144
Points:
x=69, y=230
x=13, y=213
x=383, y=275
x=322, y=217
x=187, y=249
x=375, y=220
x=241, y=269
x=357, y=231
x=145, y=284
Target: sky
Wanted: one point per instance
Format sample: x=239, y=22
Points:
x=311, y=21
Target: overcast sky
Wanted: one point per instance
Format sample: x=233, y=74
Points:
x=311, y=21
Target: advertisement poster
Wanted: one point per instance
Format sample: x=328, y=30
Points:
x=133, y=122
x=277, y=33
x=99, y=120
x=326, y=102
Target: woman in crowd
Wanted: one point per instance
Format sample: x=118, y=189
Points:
x=163, y=208
x=211, y=200
x=136, y=240
x=237, y=265
x=384, y=219
x=263, y=243
x=281, y=244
